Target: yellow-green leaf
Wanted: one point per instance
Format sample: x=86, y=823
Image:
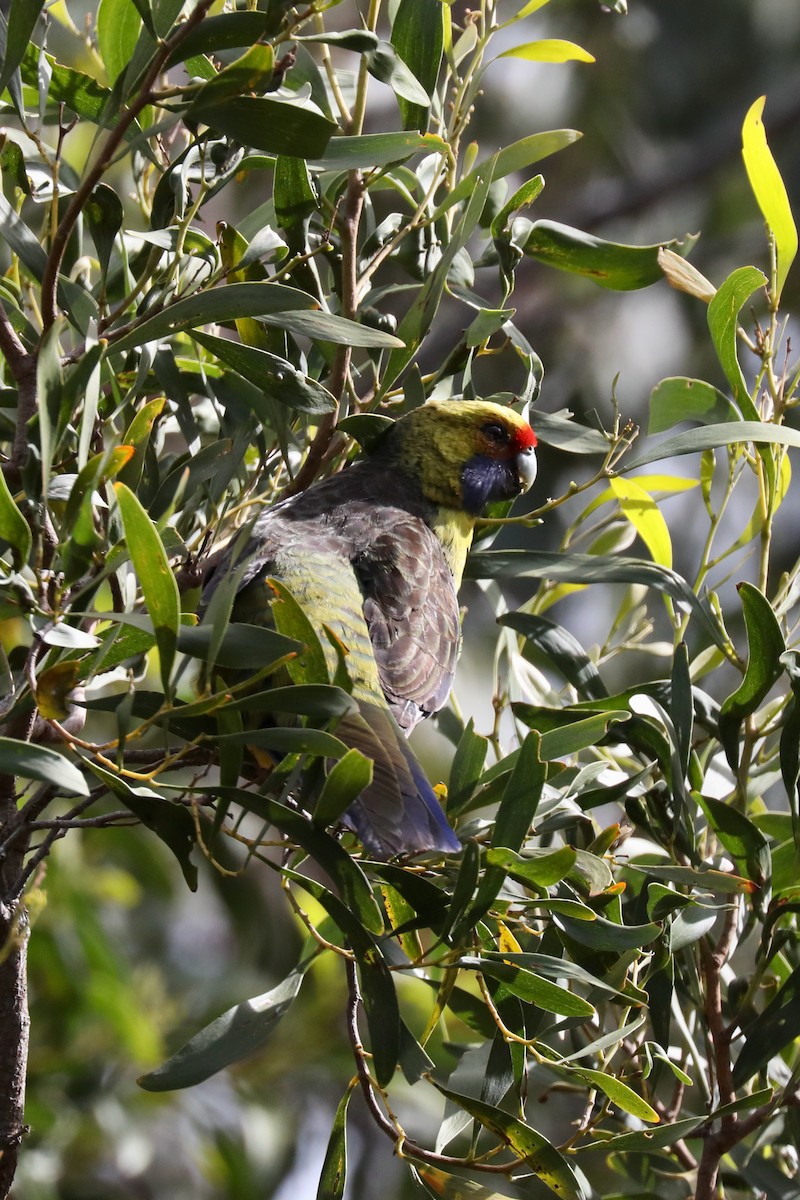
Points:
x=549, y=50
x=644, y=514
x=157, y=581
x=13, y=526
x=531, y=7
x=769, y=190
x=619, y=1093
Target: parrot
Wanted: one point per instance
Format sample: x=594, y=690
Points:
x=376, y=553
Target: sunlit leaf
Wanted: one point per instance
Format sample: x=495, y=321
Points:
x=646, y=517
x=769, y=190
x=14, y=529
x=152, y=567
x=610, y=264
x=543, y=1159
x=549, y=50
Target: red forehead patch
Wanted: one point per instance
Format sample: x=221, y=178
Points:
x=524, y=438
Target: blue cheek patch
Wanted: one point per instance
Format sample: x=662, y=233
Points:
x=486, y=479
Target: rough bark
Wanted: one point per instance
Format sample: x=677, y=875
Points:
x=14, y=1019
x=14, y=1026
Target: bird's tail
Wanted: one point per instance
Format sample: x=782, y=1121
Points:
x=398, y=813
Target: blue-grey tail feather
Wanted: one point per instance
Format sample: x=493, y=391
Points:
x=398, y=813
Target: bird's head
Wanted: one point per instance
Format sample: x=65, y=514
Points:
x=464, y=454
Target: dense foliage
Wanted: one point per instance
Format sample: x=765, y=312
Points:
x=227, y=263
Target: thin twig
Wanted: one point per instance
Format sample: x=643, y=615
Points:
x=96, y=172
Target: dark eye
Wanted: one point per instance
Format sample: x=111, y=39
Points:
x=496, y=433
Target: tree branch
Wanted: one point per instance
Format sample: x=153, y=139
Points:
x=349, y=223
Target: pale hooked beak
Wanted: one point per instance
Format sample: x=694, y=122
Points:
x=526, y=467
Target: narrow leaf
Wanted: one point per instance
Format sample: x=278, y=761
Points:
x=543, y=1159
x=334, y=1168
x=153, y=571
x=609, y=264
x=273, y=375
x=644, y=514
x=769, y=190
x=723, y=324
x=213, y=306
x=43, y=764
x=765, y=645
x=619, y=1093
x=239, y=1032
x=14, y=529
x=549, y=50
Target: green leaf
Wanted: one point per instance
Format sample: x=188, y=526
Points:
x=543, y=1159
x=740, y=837
x=275, y=124
x=173, y=823
x=540, y=868
x=704, y=878
x=22, y=18
x=252, y=72
x=118, y=26
x=239, y=1032
x=515, y=815
x=345, y=781
x=769, y=190
x=770, y=1032
x=695, y=441
x=153, y=571
x=679, y=399
x=43, y=764
x=349, y=39
x=328, y=327
x=214, y=306
x=228, y=31
x=290, y=620
x=14, y=529
x=765, y=646
x=334, y=1168
x=348, y=877
x=384, y=64
x=723, y=324
x=563, y=734
x=241, y=646
x=618, y=1093
x=320, y=701
x=274, y=376
x=79, y=92
x=534, y=990
x=418, y=38
x=607, y=935
x=103, y=214
x=291, y=741
x=377, y=150
x=559, y=968
x=466, y=767
x=610, y=264
x=20, y=239
x=561, y=648
x=138, y=436
x=645, y=1141
x=549, y=50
